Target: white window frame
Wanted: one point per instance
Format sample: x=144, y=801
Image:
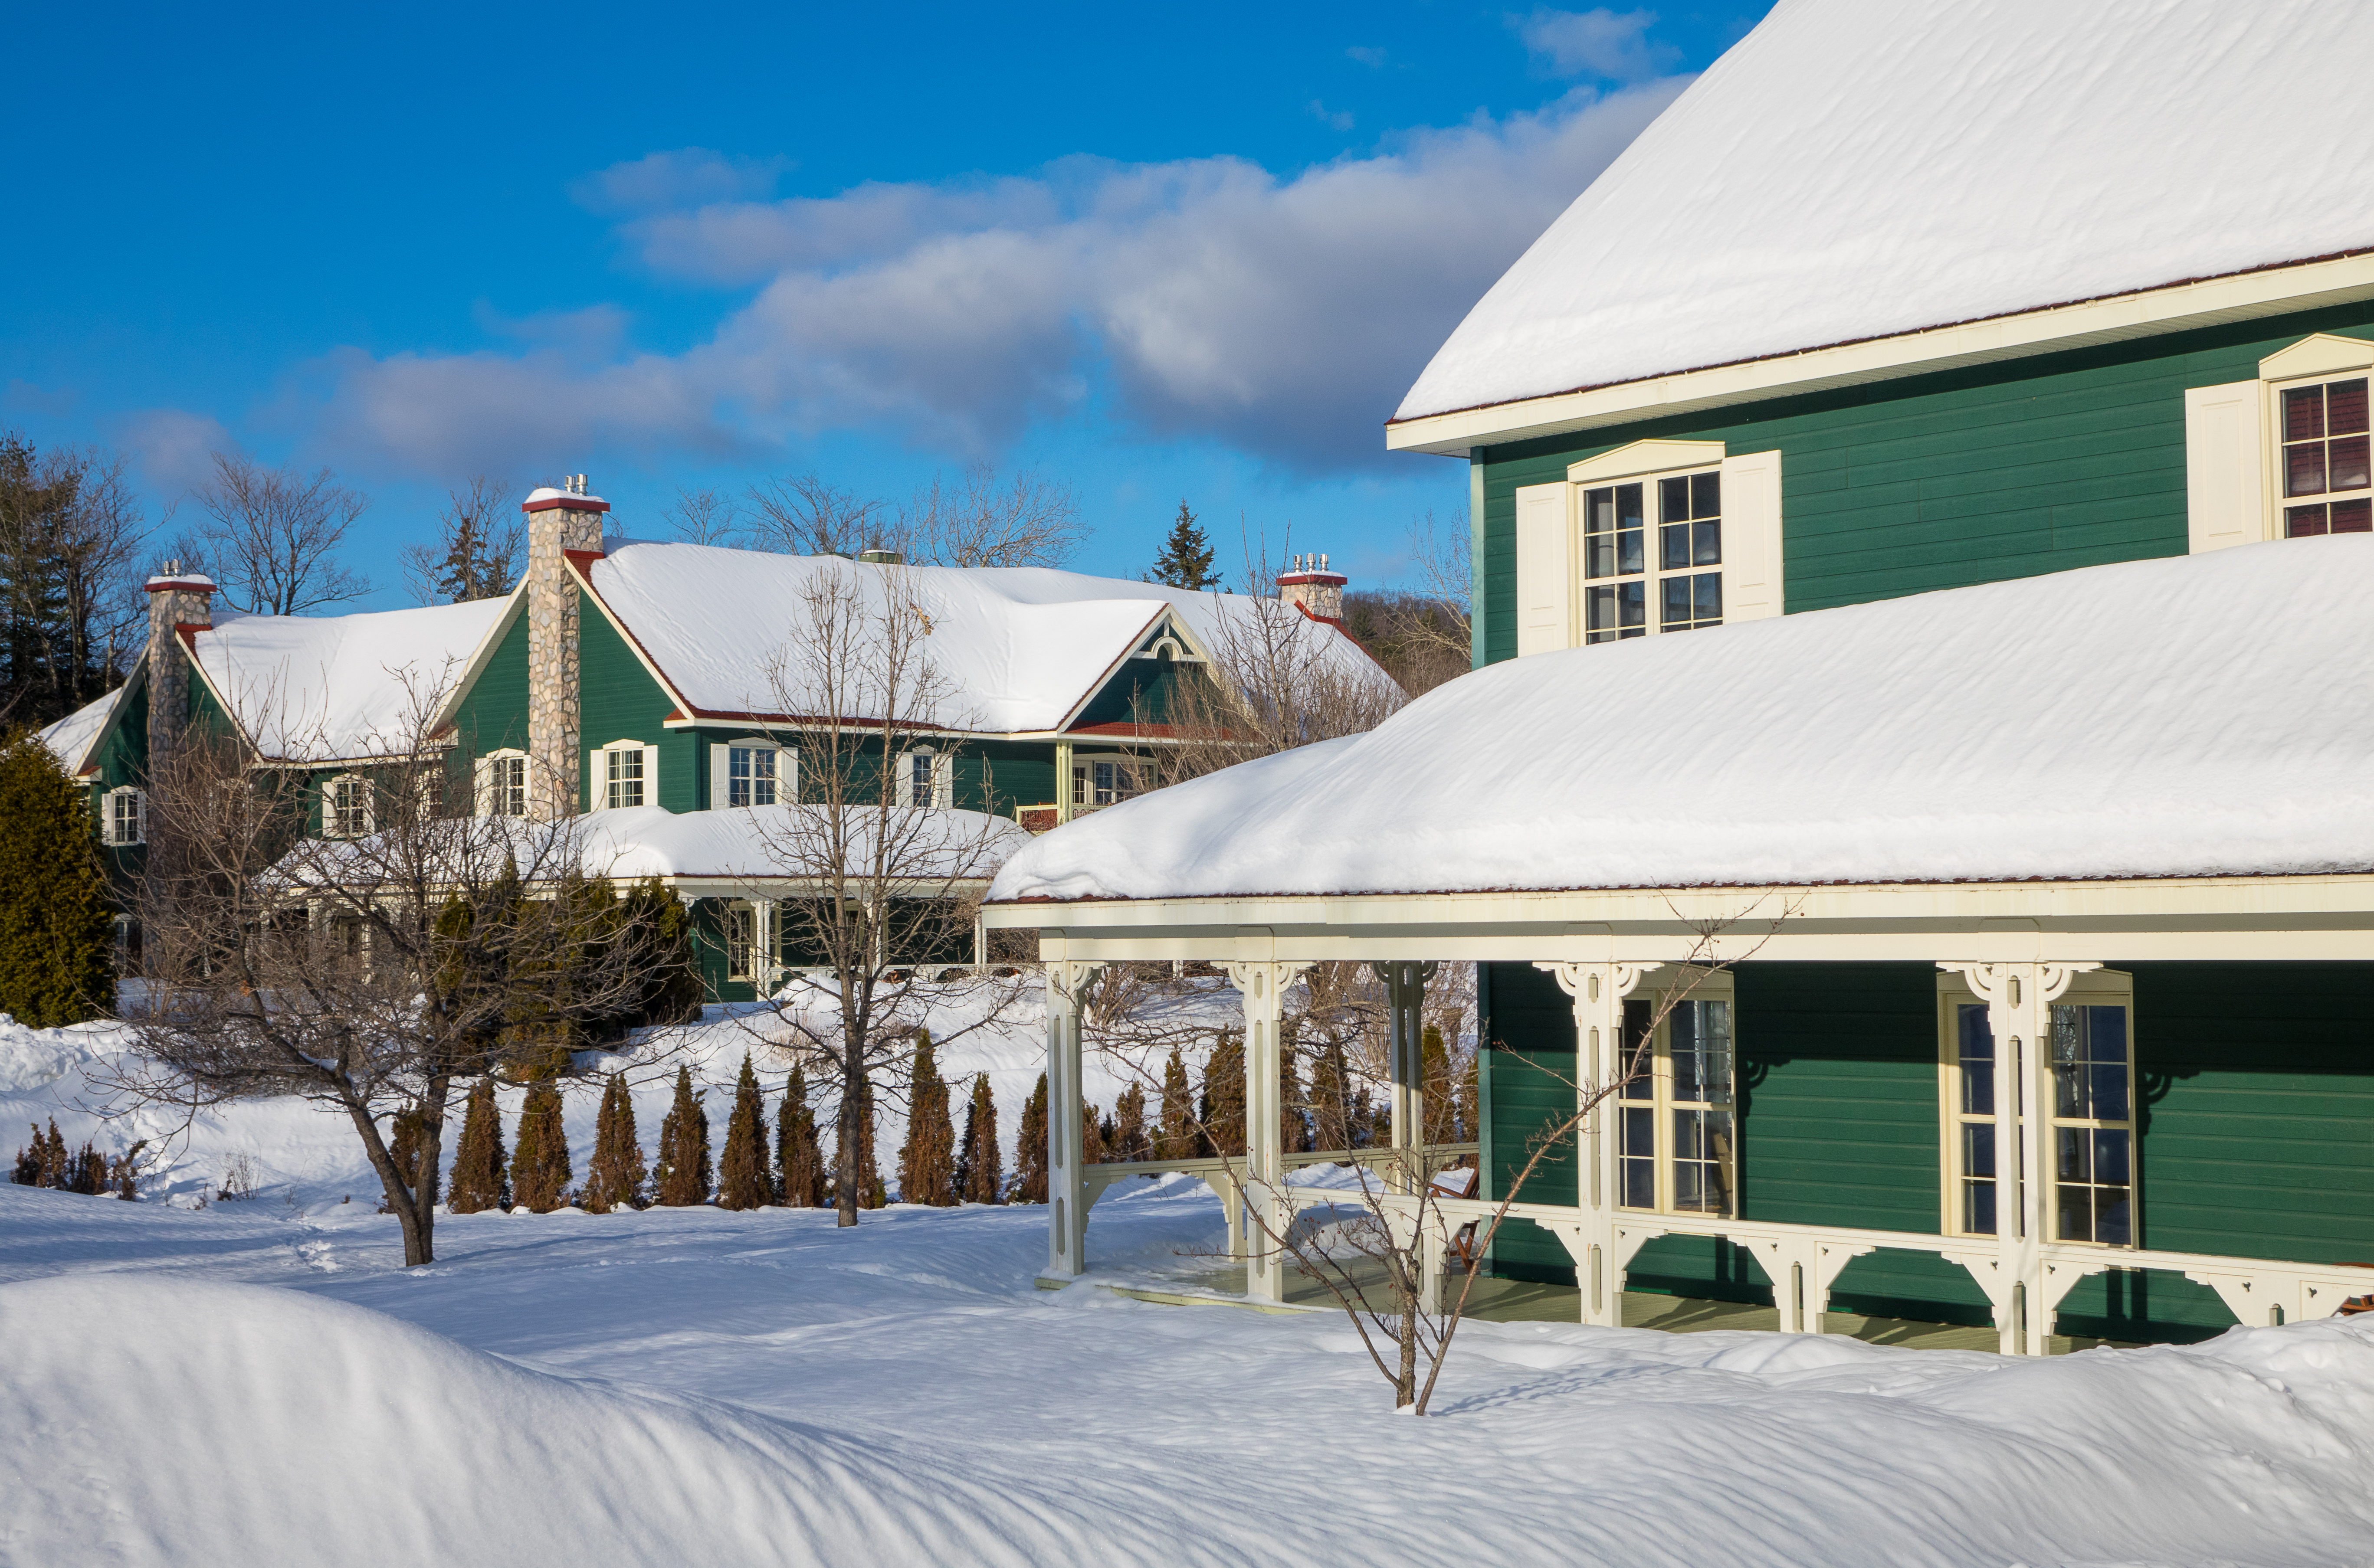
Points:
x=489, y=791
x=609, y=793
x=943, y=775
x=111, y=826
x=1084, y=788
x=1552, y=540
x=2099, y=987
x=336, y=811
x=2233, y=445
x=721, y=775
x=1660, y=1105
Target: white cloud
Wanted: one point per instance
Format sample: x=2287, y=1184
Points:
x=1598, y=42
x=1369, y=54
x=1284, y=317
x=174, y=446
x=683, y=178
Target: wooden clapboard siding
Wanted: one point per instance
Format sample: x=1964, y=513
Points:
x=1529, y=1075
x=1975, y=475
x=619, y=701
x=492, y=715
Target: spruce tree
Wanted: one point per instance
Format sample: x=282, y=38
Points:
x=1441, y=1093
x=1177, y=1138
x=1092, y=1137
x=671, y=991
x=541, y=1168
x=1129, y=1140
x=683, y=1177
x=1224, y=1095
x=57, y=929
x=981, y=1177
x=477, y=1181
x=613, y=1177
x=871, y=1192
x=743, y=1179
x=1186, y=558
x=1330, y=1109
x=927, y=1162
x=797, y=1155
x=1030, y=1150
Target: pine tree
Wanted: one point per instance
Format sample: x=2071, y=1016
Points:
x=797, y=1154
x=927, y=1164
x=683, y=1177
x=1177, y=1138
x=871, y=1193
x=980, y=1173
x=541, y=1168
x=671, y=990
x=1186, y=558
x=1224, y=1095
x=613, y=1177
x=57, y=932
x=742, y=1179
x=477, y=1181
x=1030, y=1150
x=1129, y=1140
x=1092, y=1137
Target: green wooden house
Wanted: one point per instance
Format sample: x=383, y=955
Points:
x=664, y=683
x=2027, y=357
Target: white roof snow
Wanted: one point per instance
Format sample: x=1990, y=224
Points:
x=2203, y=716
x=766, y=841
x=319, y=687
x=1854, y=168
x=70, y=738
x=1022, y=646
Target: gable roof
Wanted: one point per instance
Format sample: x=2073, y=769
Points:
x=2192, y=717
x=1025, y=647
x=73, y=738
x=320, y=688
x=1855, y=169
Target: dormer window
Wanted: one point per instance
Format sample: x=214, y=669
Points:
x=1622, y=584
x=2327, y=489
x=502, y=784
x=925, y=778
x=123, y=817
x=626, y=775
x=346, y=807
x=752, y=772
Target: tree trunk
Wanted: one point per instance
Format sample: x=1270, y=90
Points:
x=853, y=1110
x=409, y=1214
x=434, y=1094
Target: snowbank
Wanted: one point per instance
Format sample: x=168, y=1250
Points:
x=2073, y=725
x=1857, y=168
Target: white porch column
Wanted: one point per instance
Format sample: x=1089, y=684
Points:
x=2019, y=1013
x=763, y=920
x=1404, y=1053
x=1068, y=1198
x=1262, y=986
x=1598, y=991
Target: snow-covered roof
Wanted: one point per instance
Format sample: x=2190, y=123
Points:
x=319, y=687
x=765, y=841
x=1854, y=168
x=71, y=738
x=2202, y=715
x=1023, y=647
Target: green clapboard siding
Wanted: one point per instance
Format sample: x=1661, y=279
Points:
x=2142, y=1306
x=619, y=701
x=1529, y=1078
x=492, y=715
x=1940, y=481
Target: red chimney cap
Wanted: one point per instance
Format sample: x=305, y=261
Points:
x=543, y=498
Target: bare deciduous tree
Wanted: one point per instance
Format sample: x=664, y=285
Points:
x=479, y=549
x=892, y=872
x=368, y=973
x=704, y=517
x=272, y=536
x=983, y=521
x=802, y=515
x=71, y=611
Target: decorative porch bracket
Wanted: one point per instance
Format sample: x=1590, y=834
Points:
x=1598, y=991
x=1068, y=1196
x=2019, y=998
x=1405, y=982
x=1262, y=987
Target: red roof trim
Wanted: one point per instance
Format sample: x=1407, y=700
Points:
x=567, y=504
x=584, y=557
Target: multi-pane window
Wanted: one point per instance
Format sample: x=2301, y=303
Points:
x=751, y=776
x=2093, y=1127
x=2327, y=486
x=1973, y=1092
x=622, y=777
x=123, y=817
x=347, y=806
x=1676, y=1123
x=741, y=941
x=502, y=785
x=1684, y=582
x=924, y=779
x=1103, y=782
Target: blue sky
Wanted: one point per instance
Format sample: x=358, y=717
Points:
x=1150, y=254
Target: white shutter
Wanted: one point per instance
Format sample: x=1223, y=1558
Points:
x=650, y=776
x=2225, y=486
x=1544, y=569
x=482, y=788
x=140, y=818
x=721, y=773
x=787, y=777
x=1751, y=536
x=944, y=780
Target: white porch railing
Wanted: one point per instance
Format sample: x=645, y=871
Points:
x=1225, y=1175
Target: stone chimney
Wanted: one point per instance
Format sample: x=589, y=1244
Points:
x=1318, y=591
x=176, y=600
x=566, y=521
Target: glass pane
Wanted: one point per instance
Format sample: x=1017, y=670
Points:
x=1976, y=1048
x=2299, y=523
x=2344, y=406
x=1628, y=523
x=763, y=779
x=1978, y=1148
x=1632, y=604
x=1639, y=1185
x=2303, y=413
x=2348, y=463
x=1599, y=533
x=2074, y=1143
x=1638, y=1085
x=1706, y=543
x=2113, y=1217
x=2304, y=469
x=2077, y=1215
x=2110, y=1150
x=2106, y=1044
x=1673, y=545
x=2069, y=1098
x=1677, y=594
x=1705, y=494
x=1706, y=596
x=1599, y=614
x=2352, y=516
x=1979, y=1208
x=1674, y=500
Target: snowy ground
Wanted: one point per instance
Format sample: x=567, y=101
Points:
x=262, y=1383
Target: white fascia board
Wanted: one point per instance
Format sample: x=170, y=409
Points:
x=2236, y=297
x=1112, y=666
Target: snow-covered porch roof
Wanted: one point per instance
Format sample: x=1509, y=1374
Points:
x=2168, y=759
